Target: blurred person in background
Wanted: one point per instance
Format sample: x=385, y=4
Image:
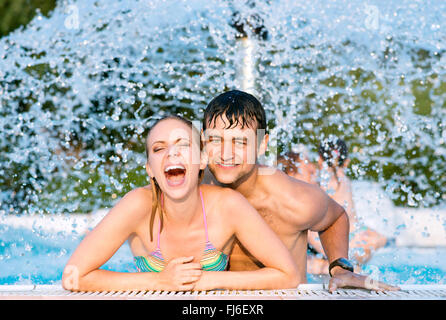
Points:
x=331, y=177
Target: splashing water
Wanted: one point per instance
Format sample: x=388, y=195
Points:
x=78, y=90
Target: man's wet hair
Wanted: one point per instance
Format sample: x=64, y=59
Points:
x=334, y=151
x=240, y=108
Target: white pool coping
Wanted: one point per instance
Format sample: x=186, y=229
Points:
x=305, y=292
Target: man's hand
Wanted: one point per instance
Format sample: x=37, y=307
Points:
x=345, y=279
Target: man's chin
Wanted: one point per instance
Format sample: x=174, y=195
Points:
x=223, y=177
x=224, y=180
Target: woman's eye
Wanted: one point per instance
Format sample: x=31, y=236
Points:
x=157, y=149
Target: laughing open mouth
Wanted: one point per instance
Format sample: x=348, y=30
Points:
x=175, y=175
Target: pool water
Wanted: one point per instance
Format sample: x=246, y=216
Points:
x=403, y=265
x=35, y=257
x=30, y=256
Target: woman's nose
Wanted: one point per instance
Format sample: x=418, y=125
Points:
x=173, y=151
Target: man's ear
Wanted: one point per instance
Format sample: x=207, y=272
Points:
x=203, y=160
x=263, y=145
x=202, y=138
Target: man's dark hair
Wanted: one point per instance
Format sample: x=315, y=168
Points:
x=239, y=108
x=333, y=145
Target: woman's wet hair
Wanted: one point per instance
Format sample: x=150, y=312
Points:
x=239, y=108
x=157, y=193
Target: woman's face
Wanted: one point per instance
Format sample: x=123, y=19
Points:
x=174, y=158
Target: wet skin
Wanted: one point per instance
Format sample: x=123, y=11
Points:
x=289, y=206
x=289, y=210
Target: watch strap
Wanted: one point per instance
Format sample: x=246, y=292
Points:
x=341, y=262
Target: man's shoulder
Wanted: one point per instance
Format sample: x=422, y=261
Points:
x=283, y=185
x=295, y=199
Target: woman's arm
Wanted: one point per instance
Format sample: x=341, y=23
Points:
x=180, y=274
x=82, y=271
x=256, y=236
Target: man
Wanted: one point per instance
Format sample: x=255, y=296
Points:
x=232, y=123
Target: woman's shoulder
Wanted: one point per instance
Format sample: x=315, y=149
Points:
x=223, y=199
x=140, y=194
x=220, y=193
x=135, y=202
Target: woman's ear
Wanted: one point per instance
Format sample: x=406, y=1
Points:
x=148, y=170
x=346, y=163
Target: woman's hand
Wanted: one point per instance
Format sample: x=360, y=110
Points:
x=180, y=274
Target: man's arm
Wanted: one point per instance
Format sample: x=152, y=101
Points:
x=333, y=230
x=318, y=212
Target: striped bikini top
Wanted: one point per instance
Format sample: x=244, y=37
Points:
x=212, y=260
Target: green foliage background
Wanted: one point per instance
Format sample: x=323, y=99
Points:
x=17, y=13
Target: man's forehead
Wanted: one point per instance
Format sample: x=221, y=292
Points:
x=237, y=131
x=221, y=124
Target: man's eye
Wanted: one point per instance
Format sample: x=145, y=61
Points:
x=214, y=140
x=240, y=142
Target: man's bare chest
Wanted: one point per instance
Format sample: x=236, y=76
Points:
x=277, y=218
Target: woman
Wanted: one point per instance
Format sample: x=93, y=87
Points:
x=180, y=232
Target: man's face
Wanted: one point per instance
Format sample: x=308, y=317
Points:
x=232, y=153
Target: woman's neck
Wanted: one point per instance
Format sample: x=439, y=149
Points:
x=182, y=211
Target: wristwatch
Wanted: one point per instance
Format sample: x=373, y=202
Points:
x=341, y=262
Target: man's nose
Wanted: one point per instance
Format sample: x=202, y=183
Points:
x=227, y=151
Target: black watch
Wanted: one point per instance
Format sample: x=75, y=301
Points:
x=341, y=262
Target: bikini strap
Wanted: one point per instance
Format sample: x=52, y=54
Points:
x=204, y=217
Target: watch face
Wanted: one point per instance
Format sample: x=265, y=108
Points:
x=341, y=262
x=346, y=263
